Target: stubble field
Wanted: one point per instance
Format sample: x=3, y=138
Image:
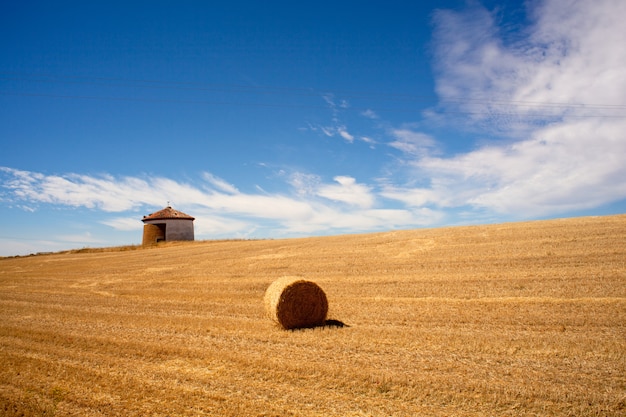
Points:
x=515, y=319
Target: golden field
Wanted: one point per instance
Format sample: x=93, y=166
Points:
x=519, y=319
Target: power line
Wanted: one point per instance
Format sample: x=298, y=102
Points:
x=299, y=91
x=311, y=106
x=194, y=86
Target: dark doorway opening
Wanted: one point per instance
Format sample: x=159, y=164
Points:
x=160, y=237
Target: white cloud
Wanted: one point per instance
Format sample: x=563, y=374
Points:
x=556, y=96
x=414, y=197
x=304, y=184
x=569, y=63
x=104, y=192
x=338, y=130
x=348, y=191
x=561, y=168
x=364, y=220
x=328, y=131
x=219, y=183
x=343, y=132
x=313, y=207
x=411, y=142
x=336, y=127
x=124, y=223
x=276, y=207
x=83, y=238
x=209, y=223
x=370, y=114
x=578, y=54
x=565, y=167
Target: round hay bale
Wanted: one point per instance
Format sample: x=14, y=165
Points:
x=296, y=303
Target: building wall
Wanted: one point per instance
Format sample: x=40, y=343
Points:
x=153, y=233
x=176, y=229
x=167, y=229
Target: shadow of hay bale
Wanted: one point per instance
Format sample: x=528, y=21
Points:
x=328, y=324
x=335, y=323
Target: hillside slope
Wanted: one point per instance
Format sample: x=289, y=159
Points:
x=510, y=319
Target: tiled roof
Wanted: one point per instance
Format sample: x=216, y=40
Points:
x=167, y=213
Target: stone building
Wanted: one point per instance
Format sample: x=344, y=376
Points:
x=165, y=225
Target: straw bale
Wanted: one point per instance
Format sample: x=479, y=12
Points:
x=295, y=303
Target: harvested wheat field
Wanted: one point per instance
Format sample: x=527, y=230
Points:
x=521, y=319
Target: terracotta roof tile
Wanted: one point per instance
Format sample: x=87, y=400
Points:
x=167, y=213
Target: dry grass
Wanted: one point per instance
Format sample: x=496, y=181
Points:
x=509, y=320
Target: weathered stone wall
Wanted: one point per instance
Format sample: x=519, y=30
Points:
x=167, y=229
x=179, y=229
x=152, y=233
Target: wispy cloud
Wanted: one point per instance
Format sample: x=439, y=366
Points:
x=219, y=183
x=104, y=192
x=336, y=127
x=84, y=238
x=370, y=114
x=412, y=142
x=334, y=103
x=556, y=97
x=344, y=189
x=313, y=207
x=347, y=191
x=123, y=223
x=568, y=64
x=343, y=132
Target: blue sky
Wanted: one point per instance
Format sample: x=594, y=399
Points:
x=283, y=119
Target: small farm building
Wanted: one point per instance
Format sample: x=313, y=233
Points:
x=167, y=224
